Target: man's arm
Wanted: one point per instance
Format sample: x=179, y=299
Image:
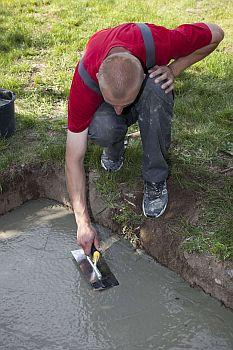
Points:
x=76, y=183
x=184, y=62
x=168, y=73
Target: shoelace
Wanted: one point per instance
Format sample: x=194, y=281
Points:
x=113, y=161
x=154, y=190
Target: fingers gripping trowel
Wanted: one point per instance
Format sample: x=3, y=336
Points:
x=95, y=269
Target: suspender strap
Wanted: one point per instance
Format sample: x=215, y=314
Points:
x=150, y=58
x=92, y=84
x=149, y=44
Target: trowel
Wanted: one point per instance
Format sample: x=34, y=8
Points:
x=95, y=269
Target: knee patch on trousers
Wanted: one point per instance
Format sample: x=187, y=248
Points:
x=105, y=133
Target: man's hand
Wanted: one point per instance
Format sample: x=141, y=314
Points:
x=86, y=235
x=175, y=68
x=163, y=73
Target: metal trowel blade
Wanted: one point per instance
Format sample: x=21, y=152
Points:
x=99, y=276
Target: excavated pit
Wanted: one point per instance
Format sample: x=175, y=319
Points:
x=47, y=304
x=160, y=238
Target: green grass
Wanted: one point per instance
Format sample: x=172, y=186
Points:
x=41, y=41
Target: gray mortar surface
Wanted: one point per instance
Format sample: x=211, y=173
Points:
x=21, y=184
x=46, y=304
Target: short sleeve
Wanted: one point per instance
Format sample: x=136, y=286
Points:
x=82, y=104
x=188, y=38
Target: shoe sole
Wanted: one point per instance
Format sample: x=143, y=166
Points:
x=151, y=216
x=109, y=170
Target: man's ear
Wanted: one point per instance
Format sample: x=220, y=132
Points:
x=97, y=75
x=144, y=75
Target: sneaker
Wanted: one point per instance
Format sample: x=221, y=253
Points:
x=111, y=165
x=155, y=199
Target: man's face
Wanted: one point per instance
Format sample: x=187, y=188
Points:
x=119, y=105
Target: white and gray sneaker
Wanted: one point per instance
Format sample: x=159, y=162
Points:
x=109, y=164
x=155, y=198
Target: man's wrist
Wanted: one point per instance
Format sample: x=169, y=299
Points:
x=174, y=70
x=82, y=219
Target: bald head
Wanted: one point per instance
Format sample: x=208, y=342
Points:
x=121, y=75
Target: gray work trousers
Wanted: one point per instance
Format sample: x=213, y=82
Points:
x=153, y=110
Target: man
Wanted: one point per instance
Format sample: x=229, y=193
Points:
x=126, y=76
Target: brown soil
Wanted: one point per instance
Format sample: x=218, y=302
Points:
x=21, y=185
x=161, y=238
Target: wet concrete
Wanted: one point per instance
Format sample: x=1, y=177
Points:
x=46, y=304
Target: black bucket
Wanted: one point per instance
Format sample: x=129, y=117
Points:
x=7, y=113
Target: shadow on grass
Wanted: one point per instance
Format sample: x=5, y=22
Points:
x=20, y=37
x=54, y=95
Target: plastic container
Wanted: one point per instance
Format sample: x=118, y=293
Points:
x=7, y=113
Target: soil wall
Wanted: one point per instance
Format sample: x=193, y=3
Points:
x=160, y=238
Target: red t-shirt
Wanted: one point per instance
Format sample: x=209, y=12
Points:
x=169, y=43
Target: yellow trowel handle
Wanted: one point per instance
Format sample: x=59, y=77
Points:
x=95, y=256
